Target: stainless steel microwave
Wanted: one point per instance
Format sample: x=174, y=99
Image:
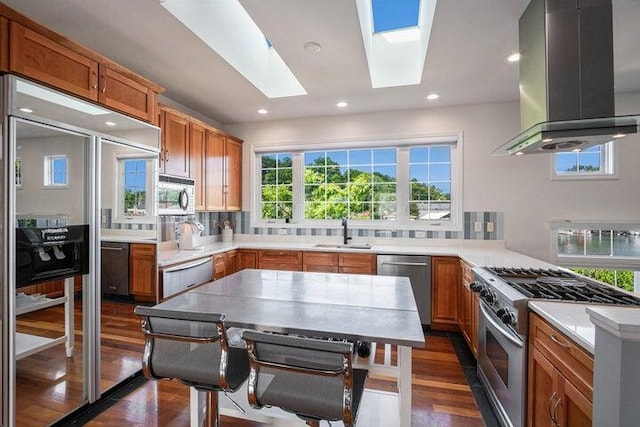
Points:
x=176, y=196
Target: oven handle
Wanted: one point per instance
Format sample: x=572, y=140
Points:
x=488, y=316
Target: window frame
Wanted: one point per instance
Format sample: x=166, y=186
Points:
x=593, y=261
x=150, y=211
x=609, y=166
x=402, y=144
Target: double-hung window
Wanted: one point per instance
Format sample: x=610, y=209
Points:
x=135, y=188
x=397, y=184
x=56, y=171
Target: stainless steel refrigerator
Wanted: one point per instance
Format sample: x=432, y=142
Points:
x=64, y=163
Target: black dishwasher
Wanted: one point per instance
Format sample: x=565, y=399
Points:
x=114, y=274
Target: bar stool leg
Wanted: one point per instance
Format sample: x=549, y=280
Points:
x=212, y=415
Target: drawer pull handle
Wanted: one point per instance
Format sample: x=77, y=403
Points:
x=555, y=411
x=557, y=341
x=549, y=410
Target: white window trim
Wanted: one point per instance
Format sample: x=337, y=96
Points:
x=610, y=160
x=593, y=261
x=402, y=143
x=48, y=181
x=150, y=215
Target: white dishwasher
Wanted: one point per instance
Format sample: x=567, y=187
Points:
x=183, y=276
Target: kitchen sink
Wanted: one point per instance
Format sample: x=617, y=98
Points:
x=338, y=246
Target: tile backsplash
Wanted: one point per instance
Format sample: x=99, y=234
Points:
x=213, y=221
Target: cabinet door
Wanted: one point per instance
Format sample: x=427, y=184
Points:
x=175, y=144
x=121, y=93
x=4, y=44
x=445, y=280
x=280, y=260
x=196, y=166
x=214, y=171
x=232, y=262
x=575, y=410
x=247, y=258
x=142, y=271
x=219, y=266
x=233, y=175
x=35, y=56
x=326, y=262
x=357, y=263
x=542, y=391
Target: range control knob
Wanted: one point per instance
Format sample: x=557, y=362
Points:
x=506, y=316
x=488, y=295
x=476, y=286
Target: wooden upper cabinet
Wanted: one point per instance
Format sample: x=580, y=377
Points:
x=196, y=166
x=174, y=158
x=233, y=175
x=33, y=55
x=119, y=92
x=4, y=44
x=214, y=171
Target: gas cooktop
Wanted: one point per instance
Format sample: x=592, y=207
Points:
x=555, y=284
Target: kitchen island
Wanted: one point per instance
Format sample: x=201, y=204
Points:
x=378, y=309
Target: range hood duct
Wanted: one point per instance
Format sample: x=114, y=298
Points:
x=567, y=98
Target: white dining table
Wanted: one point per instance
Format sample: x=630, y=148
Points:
x=376, y=309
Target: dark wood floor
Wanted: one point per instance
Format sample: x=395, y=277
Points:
x=48, y=385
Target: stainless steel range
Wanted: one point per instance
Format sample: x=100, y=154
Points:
x=503, y=325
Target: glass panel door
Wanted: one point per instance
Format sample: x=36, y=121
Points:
x=127, y=216
x=53, y=271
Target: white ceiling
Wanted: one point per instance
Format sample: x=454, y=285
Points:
x=465, y=58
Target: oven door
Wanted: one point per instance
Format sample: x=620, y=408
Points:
x=502, y=367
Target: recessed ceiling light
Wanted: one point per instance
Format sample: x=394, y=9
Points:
x=312, y=48
x=514, y=57
x=109, y=123
x=576, y=150
x=341, y=104
x=619, y=135
x=547, y=140
x=433, y=96
x=263, y=111
x=26, y=110
x=519, y=153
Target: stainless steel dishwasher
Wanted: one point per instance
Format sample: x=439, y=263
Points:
x=114, y=274
x=418, y=269
x=183, y=276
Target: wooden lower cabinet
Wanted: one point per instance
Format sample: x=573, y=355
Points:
x=445, y=281
x=326, y=262
x=232, y=262
x=560, y=379
x=280, y=260
x=51, y=289
x=247, y=258
x=468, y=309
x=219, y=266
x=142, y=271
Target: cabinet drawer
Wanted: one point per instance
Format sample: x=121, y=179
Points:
x=275, y=256
x=320, y=261
x=575, y=363
x=357, y=263
x=467, y=273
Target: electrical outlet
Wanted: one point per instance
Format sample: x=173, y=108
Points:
x=282, y=231
x=421, y=234
x=478, y=227
x=490, y=227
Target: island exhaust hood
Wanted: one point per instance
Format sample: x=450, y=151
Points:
x=566, y=78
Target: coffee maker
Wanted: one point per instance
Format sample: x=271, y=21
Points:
x=188, y=235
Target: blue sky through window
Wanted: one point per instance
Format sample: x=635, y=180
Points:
x=394, y=14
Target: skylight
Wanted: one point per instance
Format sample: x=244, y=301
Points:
x=229, y=30
x=394, y=14
x=395, y=35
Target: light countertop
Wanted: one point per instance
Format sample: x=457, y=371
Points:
x=476, y=253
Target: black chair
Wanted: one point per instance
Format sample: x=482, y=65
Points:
x=311, y=378
x=192, y=348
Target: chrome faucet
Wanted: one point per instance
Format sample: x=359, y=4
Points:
x=344, y=231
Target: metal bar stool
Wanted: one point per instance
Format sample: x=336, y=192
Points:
x=311, y=378
x=193, y=348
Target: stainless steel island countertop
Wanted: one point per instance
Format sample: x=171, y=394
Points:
x=380, y=309
x=367, y=308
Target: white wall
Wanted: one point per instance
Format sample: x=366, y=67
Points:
x=518, y=186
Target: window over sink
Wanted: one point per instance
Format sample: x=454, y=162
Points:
x=412, y=183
